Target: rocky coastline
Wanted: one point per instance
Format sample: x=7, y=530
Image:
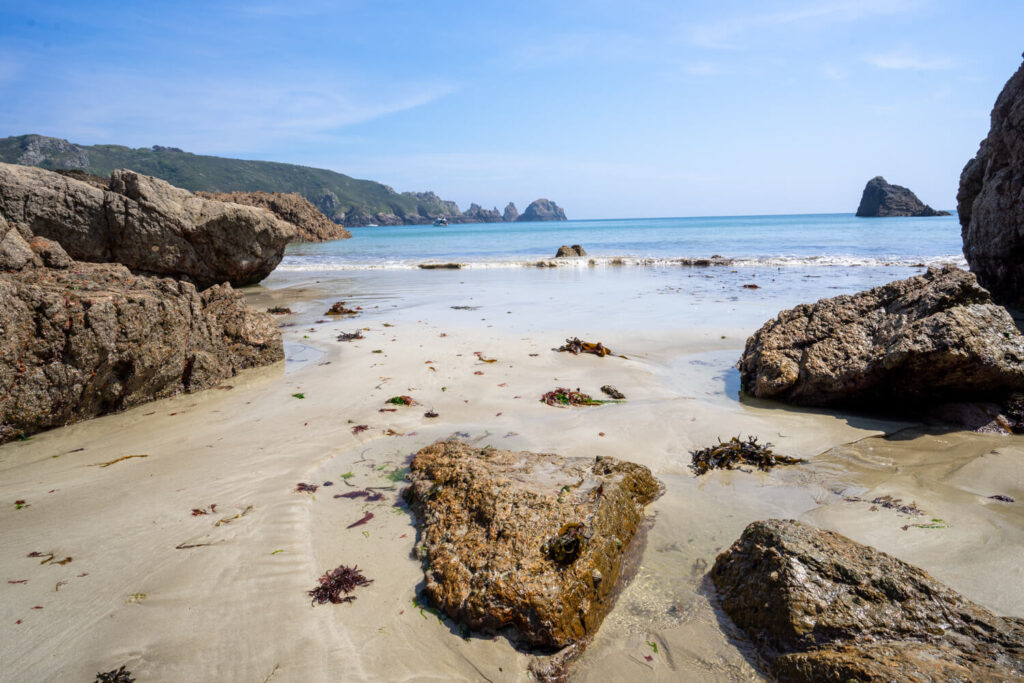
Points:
x=881, y=199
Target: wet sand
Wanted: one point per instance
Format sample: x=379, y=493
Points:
x=222, y=596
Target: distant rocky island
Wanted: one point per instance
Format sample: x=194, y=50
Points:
x=882, y=199
x=347, y=201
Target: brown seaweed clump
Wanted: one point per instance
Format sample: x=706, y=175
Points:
x=338, y=308
x=567, y=397
x=734, y=452
x=567, y=545
x=613, y=392
x=575, y=346
x=121, y=675
x=334, y=583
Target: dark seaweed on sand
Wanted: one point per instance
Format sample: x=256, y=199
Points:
x=334, y=583
x=303, y=487
x=567, y=397
x=121, y=675
x=734, y=452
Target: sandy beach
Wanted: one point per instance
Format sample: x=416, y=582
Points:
x=223, y=595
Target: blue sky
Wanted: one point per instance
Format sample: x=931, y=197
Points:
x=612, y=109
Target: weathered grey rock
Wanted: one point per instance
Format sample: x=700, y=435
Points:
x=15, y=252
x=821, y=607
x=880, y=199
x=542, y=210
x=931, y=338
x=990, y=202
x=565, y=251
x=477, y=214
x=527, y=540
x=145, y=224
x=310, y=224
x=511, y=213
x=91, y=339
x=37, y=149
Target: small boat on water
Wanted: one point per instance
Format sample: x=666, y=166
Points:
x=441, y=221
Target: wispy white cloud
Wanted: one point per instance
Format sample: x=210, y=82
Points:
x=212, y=114
x=906, y=60
x=729, y=33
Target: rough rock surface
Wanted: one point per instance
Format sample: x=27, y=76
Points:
x=510, y=214
x=542, y=210
x=146, y=224
x=94, y=180
x=84, y=339
x=491, y=521
x=565, y=251
x=821, y=607
x=930, y=338
x=310, y=224
x=880, y=199
x=990, y=202
x=477, y=214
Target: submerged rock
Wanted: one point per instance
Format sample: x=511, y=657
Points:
x=880, y=199
x=83, y=340
x=310, y=224
x=565, y=251
x=991, y=199
x=542, y=210
x=146, y=224
x=821, y=607
x=532, y=541
x=931, y=338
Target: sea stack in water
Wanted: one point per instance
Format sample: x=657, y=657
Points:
x=821, y=607
x=991, y=200
x=880, y=199
x=532, y=541
x=145, y=224
x=931, y=338
x=511, y=213
x=542, y=210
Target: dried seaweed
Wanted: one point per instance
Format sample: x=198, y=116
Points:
x=350, y=336
x=338, y=308
x=126, y=457
x=609, y=390
x=480, y=356
x=303, y=487
x=1001, y=498
x=279, y=310
x=576, y=346
x=121, y=675
x=334, y=583
x=729, y=454
x=567, y=397
x=370, y=496
x=401, y=401
x=889, y=503
x=20, y=504
x=430, y=413
x=465, y=308
x=366, y=518
x=360, y=428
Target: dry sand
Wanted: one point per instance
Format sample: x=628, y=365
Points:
x=222, y=596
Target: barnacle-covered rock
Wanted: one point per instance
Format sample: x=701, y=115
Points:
x=528, y=540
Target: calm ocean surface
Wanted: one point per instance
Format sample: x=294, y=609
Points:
x=800, y=240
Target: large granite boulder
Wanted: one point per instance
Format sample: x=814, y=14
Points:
x=880, y=199
x=511, y=213
x=310, y=224
x=146, y=224
x=542, y=210
x=527, y=540
x=991, y=199
x=821, y=607
x=83, y=339
x=566, y=251
x=930, y=338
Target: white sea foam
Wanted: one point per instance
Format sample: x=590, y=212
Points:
x=305, y=264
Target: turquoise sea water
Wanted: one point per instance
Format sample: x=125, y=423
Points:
x=799, y=240
x=632, y=278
